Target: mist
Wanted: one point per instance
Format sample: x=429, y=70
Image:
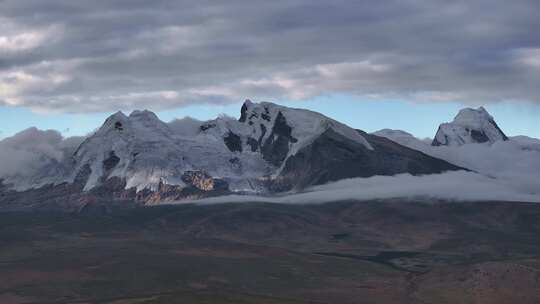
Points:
x=29, y=151
x=454, y=186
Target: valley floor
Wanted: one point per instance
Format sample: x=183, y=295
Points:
x=348, y=252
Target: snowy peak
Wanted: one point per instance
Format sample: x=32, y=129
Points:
x=469, y=126
x=125, y=146
x=114, y=122
x=138, y=123
x=474, y=118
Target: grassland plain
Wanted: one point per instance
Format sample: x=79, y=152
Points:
x=388, y=251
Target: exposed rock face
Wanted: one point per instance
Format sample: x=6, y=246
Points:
x=469, y=126
x=203, y=181
x=276, y=147
x=110, y=162
x=253, y=144
x=243, y=110
x=201, y=186
x=233, y=142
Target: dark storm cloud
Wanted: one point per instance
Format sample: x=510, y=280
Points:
x=64, y=55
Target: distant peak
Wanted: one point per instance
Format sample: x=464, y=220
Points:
x=469, y=126
x=392, y=132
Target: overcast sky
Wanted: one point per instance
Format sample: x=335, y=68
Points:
x=66, y=56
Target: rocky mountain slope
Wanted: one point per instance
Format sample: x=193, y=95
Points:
x=269, y=149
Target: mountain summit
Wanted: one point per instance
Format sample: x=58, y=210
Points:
x=269, y=149
x=469, y=126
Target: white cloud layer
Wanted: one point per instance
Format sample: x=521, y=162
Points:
x=454, y=186
x=516, y=161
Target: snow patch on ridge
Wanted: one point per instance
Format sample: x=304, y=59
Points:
x=306, y=125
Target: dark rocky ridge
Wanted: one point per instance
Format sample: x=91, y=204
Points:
x=276, y=147
x=332, y=157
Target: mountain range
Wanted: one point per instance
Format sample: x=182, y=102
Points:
x=137, y=159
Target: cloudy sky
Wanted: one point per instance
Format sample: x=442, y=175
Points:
x=65, y=64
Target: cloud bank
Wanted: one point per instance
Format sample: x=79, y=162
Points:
x=516, y=161
x=107, y=55
x=32, y=152
x=454, y=186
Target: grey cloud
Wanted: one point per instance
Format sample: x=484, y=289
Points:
x=30, y=151
x=106, y=55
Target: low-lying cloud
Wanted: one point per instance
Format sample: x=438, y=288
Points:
x=454, y=186
x=31, y=151
x=515, y=161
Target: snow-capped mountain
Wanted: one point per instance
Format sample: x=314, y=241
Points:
x=146, y=151
x=269, y=149
x=469, y=126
